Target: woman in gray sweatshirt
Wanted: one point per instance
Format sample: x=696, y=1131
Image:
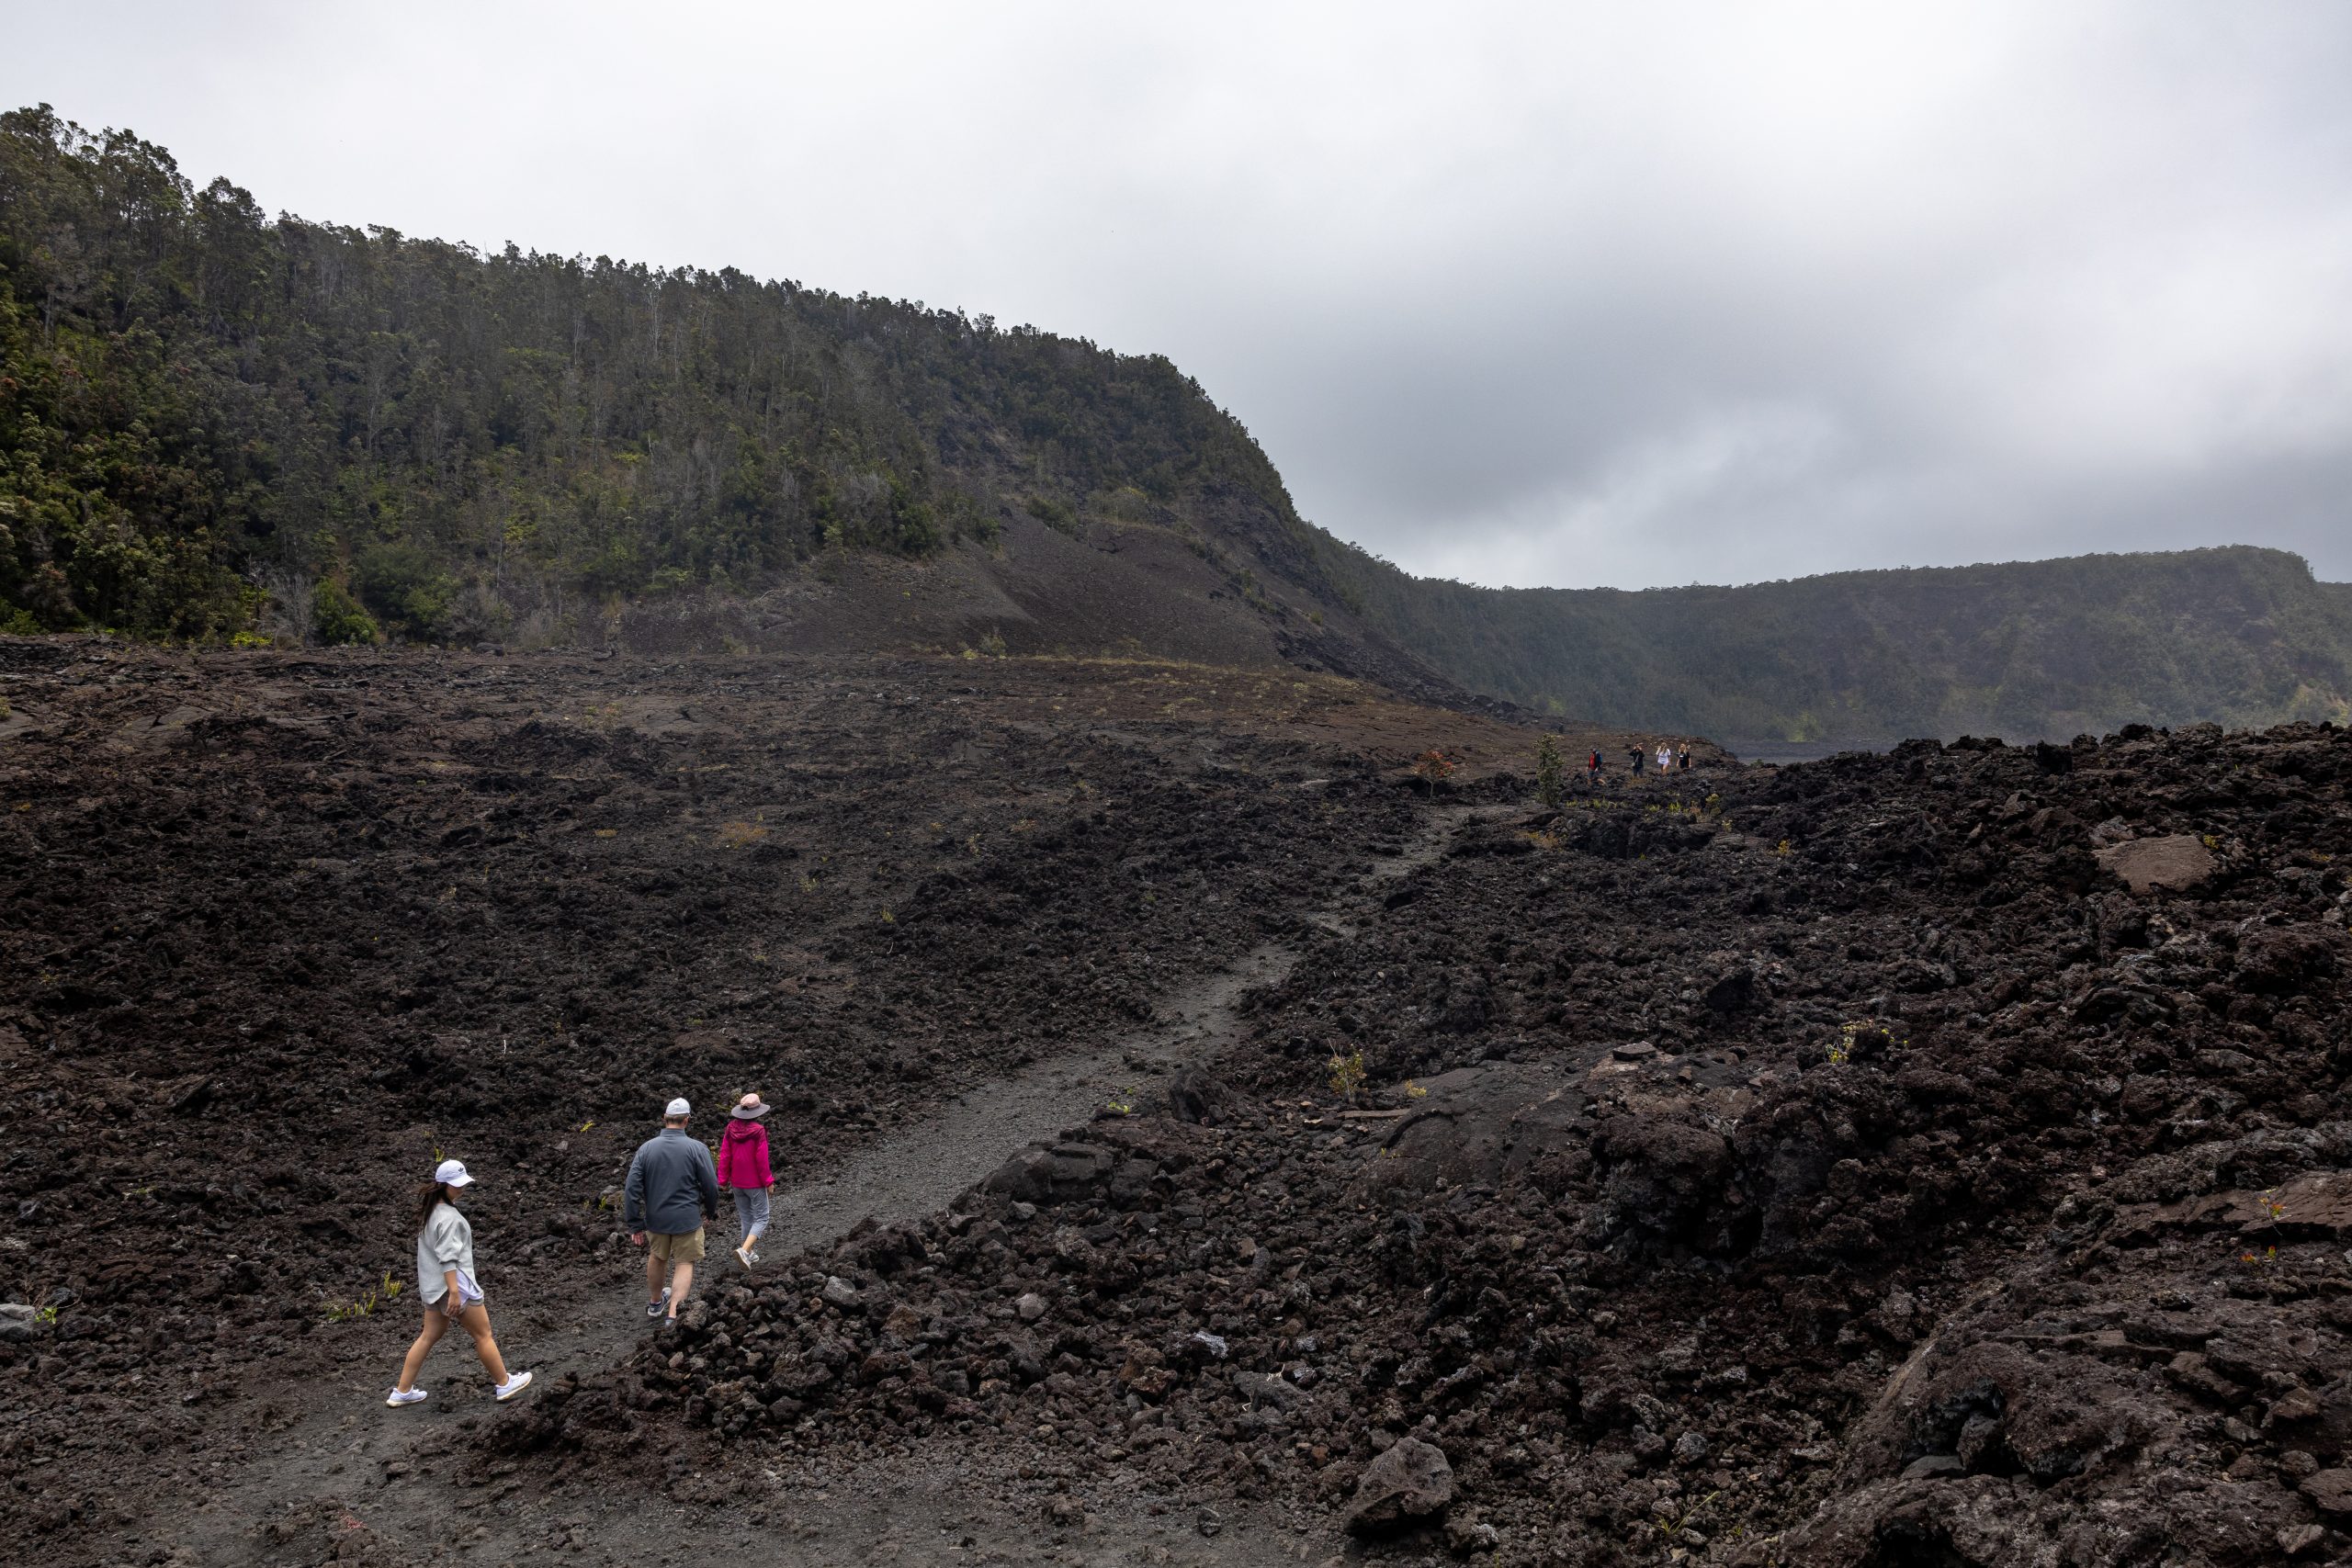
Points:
x=445, y=1279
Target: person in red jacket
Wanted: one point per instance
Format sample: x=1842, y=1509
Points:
x=743, y=1169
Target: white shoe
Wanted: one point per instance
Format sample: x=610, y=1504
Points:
x=513, y=1386
x=410, y=1397
x=745, y=1256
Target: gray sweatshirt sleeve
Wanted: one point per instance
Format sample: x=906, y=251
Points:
x=447, y=1239
x=633, y=1193
x=706, y=1177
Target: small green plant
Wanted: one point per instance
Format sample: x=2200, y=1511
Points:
x=1550, y=786
x=2209, y=841
x=1434, y=768
x=47, y=1316
x=1674, y=1526
x=1843, y=1048
x=1782, y=848
x=337, y=617
x=1347, y=1073
x=1415, y=1091
x=1055, y=515
x=381, y=1293
x=993, y=644
x=587, y=1126
x=1121, y=1103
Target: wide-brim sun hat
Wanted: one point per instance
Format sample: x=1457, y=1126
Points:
x=452, y=1173
x=751, y=1108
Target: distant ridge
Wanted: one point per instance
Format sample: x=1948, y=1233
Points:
x=2238, y=635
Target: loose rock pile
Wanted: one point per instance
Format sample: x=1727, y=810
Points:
x=1850, y=1168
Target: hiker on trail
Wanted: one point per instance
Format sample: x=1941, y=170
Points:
x=446, y=1281
x=1638, y=754
x=1683, y=759
x=1593, y=765
x=743, y=1169
x=1665, y=758
x=671, y=1192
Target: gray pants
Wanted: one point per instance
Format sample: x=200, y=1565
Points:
x=752, y=1211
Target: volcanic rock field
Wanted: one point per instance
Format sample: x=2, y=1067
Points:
x=1202, y=1138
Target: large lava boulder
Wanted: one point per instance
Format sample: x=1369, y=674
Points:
x=1062, y=1172
x=1501, y=1123
x=1410, y=1482
x=2175, y=863
x=1661, y=1175
x=2280, y=959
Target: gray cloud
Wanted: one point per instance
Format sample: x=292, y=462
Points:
x=1553, y=294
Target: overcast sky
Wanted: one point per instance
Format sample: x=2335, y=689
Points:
x=1623, y=294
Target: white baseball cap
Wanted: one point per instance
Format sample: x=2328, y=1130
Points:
x=679, y=1107
x=452, y=1173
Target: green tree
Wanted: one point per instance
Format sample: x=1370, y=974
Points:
x=1550, y=786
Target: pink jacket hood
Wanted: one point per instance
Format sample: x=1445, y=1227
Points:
x=744, y=1155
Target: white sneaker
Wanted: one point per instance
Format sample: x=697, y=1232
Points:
x=514, y=1385
x=410, y=1397
x=745, y=1256
x=656, y=1308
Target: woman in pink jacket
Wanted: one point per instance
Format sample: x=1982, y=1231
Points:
x=743, y=1167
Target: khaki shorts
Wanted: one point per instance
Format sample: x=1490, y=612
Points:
x=687, y=1248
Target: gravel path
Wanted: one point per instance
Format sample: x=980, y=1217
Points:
x=402, y=1483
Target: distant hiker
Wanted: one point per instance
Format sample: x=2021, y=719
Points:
x=1638, y=754
x=1593, y=765
x=1665, y=758
x=743, y=1169
x=446, y=1281
x=672, y=1191
x=1683, y=759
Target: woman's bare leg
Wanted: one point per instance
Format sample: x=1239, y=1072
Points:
x=435, y=1325
x=475, y=1320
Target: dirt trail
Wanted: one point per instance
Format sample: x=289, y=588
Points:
x=917, y=1172
x=333, y=1452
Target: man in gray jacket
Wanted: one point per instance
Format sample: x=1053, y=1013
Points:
x=673, y=1188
